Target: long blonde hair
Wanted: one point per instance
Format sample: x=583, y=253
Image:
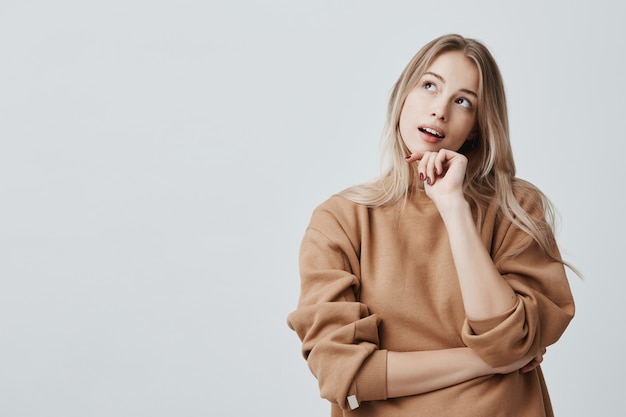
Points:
x=490, y=173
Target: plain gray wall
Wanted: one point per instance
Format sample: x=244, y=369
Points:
x=160, y=160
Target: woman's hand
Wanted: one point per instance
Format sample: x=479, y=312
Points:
x=523, y=365
x=535, y=362
x=442, y=172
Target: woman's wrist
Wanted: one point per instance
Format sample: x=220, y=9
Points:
x=452, y=206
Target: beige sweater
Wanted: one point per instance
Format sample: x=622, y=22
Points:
x=383, y=279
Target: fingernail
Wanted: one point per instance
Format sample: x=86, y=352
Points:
x=407, y=157
x=421, y=177
x=428, y=180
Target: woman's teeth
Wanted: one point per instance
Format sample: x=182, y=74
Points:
x=431, y=131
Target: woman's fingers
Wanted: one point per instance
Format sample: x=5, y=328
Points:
x=434, y=165
x=535, y=362
x=431, y=174
x=429, y=165
x=529, y=366
x=422, y=166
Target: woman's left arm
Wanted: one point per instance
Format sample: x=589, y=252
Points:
x=521, y=304
x=485, y=293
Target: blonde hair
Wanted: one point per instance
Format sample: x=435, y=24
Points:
x=490, y=171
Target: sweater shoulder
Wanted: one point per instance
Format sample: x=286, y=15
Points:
x=338, y=217
x=340, y=208
x=529, y=198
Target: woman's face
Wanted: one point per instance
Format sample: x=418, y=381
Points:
x=440, y=112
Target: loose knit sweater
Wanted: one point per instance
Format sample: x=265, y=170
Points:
x=383, y=279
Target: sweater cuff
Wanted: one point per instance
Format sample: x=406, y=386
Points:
x=370, y=383
x=500, y=340
x=482, y=326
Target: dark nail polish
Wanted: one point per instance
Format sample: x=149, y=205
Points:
x=428, y=180
x=421, y=177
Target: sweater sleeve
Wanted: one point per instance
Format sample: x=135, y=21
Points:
x=339, y=335
x=544, y=307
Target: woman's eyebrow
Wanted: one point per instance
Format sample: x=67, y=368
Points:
x=434, y=74
x=439, y=77
x=470, y=92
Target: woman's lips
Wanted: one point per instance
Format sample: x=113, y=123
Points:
x=429, y=137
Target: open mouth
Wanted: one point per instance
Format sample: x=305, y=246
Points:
x=432, y=132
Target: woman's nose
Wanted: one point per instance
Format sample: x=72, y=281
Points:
x=439, y=110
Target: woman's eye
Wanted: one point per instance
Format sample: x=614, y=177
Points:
x=464, y=102
x=429, y=86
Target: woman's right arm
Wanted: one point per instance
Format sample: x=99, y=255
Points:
x=412, y=373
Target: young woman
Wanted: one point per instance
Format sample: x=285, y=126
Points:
x=434, y=290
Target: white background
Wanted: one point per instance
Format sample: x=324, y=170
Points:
x=159, y=162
